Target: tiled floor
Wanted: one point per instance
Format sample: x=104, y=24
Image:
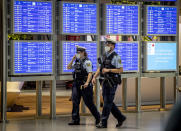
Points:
x=145, y=121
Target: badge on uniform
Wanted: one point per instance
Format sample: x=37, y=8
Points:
x=119, y=61
x=88, y=64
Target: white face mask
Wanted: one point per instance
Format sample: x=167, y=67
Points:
x=78, y=56
x=107, y=48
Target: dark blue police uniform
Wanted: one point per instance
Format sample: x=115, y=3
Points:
x=110, y=82
x=80, y=74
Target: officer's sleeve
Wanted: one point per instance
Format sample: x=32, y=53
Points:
x=73, y=65
x=88, y=66
x=117, y=62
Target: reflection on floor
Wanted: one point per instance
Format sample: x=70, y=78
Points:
x=145, y=121
x=63, y=106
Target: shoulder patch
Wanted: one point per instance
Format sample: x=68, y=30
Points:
x=88, y=64
x=119, y=61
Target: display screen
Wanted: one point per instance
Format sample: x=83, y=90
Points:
x=160, y=0
x=32, y=57
x=79, y=18
x=122, y=19
x=161, y=56
x=129, y=55
x=69, y=50
x=32, y=17
x=161, y=20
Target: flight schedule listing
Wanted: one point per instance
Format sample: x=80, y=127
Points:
x=160, y=0
x=32, y=17
x=32, y=57
x=69, y=50
x=79, y=18
x=129, y=55
x=161, y=20
x=122, y=19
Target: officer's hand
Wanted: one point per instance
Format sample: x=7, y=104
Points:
x=86, y=85
x=104, y=70
x=93, y=80
x=74, y=57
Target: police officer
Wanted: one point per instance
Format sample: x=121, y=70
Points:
x=109, y=70
x=174, y=120
x=82, y=85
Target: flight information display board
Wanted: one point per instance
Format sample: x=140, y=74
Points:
x=32, y=17
x=161, y=56
x=160, y=0
x=161, y=20
x=69, y=50
x=79, y=18
x=32, y=57
x=128, y=51
x=121, y=19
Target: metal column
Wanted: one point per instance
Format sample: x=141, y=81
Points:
x=98, y=92
x=176, y=86
x=53, y=99
x=138, y=78
x=53, y=82
x=162, y=93
x=3, y=127
x=138, y=94
x=176, y=91
x=3, y=117
x=38, y=98
x=97, y=86
x=124, y=94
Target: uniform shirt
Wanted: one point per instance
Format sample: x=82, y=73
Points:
x=116, y=61
x=86, y=65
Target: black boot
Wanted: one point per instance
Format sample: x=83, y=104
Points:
x=73, y=122
x=120, y=122
x=101, y=125
x=97, y=121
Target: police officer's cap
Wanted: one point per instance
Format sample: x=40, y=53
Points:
x=109, y=41
x=80, y=48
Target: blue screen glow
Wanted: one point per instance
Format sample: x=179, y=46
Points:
x=69, y=50
x=32, y=57
x=79, y=18
x=160, y=0
x=121, y=19
x=32, y=17
x=129, y=55
x=161, y=20
x=161, y=56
